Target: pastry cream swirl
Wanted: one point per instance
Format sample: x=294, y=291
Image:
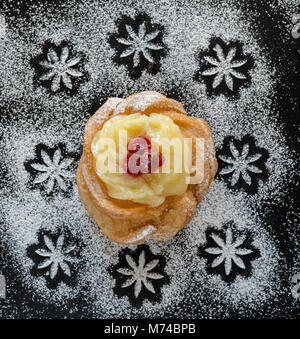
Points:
x=149, y=188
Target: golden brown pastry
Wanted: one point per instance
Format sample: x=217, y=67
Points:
x=133, y=207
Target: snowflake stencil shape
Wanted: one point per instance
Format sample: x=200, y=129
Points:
x=240, y=164
x=224, y=68
x=296, y=30
x=59, y=68
x=2, y=26
x=139, y=275
x=53, y=169
x=56, y=256
x=296, y=287
x=296, y=27
x=228, y=254
x=138, y=45
x=2, y=286
x=243, y=163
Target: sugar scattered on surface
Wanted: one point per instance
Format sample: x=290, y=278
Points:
x=34, y=116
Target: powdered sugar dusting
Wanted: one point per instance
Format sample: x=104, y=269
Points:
x=32, y=115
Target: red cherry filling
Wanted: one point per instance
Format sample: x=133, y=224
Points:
x=151, y=161
x=132, y=164
x=138, y=144
x=141, y=158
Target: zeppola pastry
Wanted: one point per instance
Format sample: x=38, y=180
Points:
x=145, y=166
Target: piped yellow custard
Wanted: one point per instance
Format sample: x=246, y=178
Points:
x=149, y=188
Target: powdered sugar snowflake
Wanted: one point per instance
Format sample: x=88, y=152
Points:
x=139, y=44
x=228, y=251
x=140, y=273
x=2, y=286
x=240, y=164
x=51, y=168
x=244, y=162
x=56, y=256
x=60, y=68
x=296, y=286
x=224, y=68
x=296, y=27
x=2, y=26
